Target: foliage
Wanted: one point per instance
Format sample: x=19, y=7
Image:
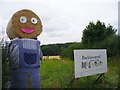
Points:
x=110, y=43
x=96, y=36
x=53, y=49
x=97, y=32
x=5, y=66
x=68, y=52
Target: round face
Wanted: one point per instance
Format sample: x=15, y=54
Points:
x=26, y=24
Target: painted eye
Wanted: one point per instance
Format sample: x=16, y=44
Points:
x=34, y=20
x=23, y=19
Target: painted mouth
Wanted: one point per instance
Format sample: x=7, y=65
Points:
x=27, y=30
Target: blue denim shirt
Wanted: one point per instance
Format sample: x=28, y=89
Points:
x=24, y=53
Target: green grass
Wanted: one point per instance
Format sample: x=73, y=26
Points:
x=59, y=73
x=56, y=73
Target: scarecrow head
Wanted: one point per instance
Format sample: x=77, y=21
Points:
x=24, y=24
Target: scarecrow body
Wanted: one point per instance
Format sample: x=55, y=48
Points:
x=24, y=61
x=24, y=51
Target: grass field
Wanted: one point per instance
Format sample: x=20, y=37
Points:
x=59, y=73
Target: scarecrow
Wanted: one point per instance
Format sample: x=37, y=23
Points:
x=24, y=49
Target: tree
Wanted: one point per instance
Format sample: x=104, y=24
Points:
x=53, y=49
x=97, y=32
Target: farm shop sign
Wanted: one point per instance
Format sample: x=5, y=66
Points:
x=90, y=62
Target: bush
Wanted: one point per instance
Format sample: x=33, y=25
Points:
x=5, y=67
x=110, y=43
x=68, y=52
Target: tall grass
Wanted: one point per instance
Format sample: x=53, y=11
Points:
x=56, y=73
x=59, y=74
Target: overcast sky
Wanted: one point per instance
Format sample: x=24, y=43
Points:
x=63, y=20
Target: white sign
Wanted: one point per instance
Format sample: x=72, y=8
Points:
x=90, y=62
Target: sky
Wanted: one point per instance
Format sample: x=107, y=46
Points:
x=63, y=20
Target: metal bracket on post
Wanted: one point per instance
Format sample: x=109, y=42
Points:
x=99, y=77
